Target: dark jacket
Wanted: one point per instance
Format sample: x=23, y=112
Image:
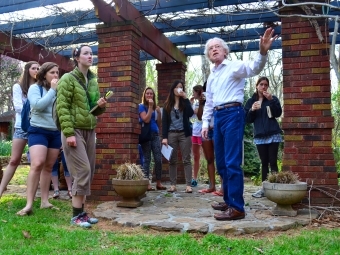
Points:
x=263, y=125
x=187, y=113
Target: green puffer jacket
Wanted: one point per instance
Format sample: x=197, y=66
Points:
x=72, y=102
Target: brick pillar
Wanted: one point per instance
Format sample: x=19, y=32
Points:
x=167, y=74
x=118, y=128
x=307, y=121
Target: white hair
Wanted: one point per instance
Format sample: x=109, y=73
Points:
x=223, y=43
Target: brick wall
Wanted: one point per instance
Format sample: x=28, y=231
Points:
x=118, y=128
x=307, y=121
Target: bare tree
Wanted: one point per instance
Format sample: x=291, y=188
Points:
x=10, y=70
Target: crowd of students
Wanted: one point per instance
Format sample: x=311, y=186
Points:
x=213, y=119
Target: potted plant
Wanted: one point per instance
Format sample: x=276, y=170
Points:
x=130, y=184
x=285, y=189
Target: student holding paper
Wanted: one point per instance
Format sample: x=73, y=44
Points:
x=78, y=92
x=262, y=109
x=150, y=113
x=176, y=131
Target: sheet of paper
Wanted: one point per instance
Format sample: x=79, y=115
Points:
x=269, y=112
x=167, y=151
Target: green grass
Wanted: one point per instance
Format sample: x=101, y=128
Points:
x=20, y=175
x=49, y=232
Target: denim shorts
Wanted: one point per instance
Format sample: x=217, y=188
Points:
x=41, y=136
x=210, y=135
x=20, y=134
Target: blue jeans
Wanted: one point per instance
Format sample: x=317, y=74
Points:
x=228, y=136
x=56, y=166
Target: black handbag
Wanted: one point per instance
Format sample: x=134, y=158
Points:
x=145, y=134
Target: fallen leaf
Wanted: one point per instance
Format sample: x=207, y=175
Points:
x=26, y=234
x=258, y=249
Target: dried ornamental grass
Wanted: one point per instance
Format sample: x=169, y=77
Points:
x=130, y=171
x=287, y=177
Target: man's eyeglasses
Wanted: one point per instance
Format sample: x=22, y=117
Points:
x=176, y=114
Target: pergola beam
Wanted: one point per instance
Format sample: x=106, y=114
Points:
x=152, y=40
x=19, y=5
x=24, y=51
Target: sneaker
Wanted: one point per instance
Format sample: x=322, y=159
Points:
x=88, y=219
x=193, y=183
x=258, y=194
x=80, y=221
x=56, y=194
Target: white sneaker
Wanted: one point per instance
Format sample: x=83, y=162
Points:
x=258, y=194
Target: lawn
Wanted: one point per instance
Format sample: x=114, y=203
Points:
x=50, y=232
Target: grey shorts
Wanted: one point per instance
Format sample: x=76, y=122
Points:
x=20, y=134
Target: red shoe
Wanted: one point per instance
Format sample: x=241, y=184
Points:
x=207, y=191
x=217, y=193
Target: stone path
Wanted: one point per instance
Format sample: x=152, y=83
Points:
x=184, y=212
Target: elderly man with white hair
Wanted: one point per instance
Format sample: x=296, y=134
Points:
x=224, y=98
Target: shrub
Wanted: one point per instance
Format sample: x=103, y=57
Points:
x=128, y=171
x=286, y=177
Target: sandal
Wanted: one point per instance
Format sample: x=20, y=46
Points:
x=206, y=191
x=56, y=194
x=188, y=189
x=160, y=188
x=151, y=189
x=172, y=189
x=217, y=193
x=24, y=212
x=69, y=193
x=52, y=207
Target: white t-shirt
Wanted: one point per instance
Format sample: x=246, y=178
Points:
x=196, y=123
x=18, y=102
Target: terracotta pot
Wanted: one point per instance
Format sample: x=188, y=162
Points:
x=130, y=191
x=284, y=195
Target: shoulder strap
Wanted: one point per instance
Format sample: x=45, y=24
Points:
x=41, y=90
x=84, y=87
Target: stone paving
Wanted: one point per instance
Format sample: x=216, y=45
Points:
x=183, y=212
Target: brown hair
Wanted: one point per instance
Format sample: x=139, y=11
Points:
x=170, y=101
x=76, y=53
x=145, y=102
x=44, y=68
x=198, y=89
x=26, y=77
x=263, y=78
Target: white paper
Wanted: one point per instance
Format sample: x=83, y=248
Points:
x=269, y=112
x=166, y=151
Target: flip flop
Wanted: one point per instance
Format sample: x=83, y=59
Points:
x=24, y=212
x=217, y=193
x=206, y=191
x=188, y=190
x=52, y=207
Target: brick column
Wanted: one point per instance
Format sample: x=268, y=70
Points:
x=167, y=74
x=307, y=121
x=118, y=128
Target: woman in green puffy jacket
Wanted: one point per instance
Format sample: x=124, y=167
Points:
x=78, y=93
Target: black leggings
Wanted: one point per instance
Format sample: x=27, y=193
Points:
x=268, y=155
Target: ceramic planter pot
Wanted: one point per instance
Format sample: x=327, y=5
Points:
x=130, y=191
x=284, y=195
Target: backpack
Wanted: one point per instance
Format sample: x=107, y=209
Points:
x=55, y=114
x=26, y=113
